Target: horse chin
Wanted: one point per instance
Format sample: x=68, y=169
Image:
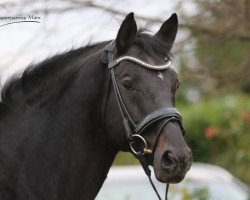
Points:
x=169, y=178
x=164, y=176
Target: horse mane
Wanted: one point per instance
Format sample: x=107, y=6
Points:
x=49, y=68
x=20, y=84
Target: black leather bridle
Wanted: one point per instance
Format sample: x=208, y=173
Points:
x=134, y=131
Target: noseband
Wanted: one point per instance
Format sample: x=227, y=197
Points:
x=134, y=132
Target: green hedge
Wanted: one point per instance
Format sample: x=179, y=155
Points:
x=218, y=132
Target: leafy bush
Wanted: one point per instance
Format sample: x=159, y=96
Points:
x=218, y=132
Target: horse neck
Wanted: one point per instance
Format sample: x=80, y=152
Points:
x=59, y=149
x=96, y=163
x=99, y=153
x=99, y=162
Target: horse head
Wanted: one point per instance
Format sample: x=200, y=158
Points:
x=140, y=113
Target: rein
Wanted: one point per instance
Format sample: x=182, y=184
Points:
x=134, y=131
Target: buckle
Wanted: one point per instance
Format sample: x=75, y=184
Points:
x=138, y=138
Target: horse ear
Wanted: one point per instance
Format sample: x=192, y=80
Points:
x=168, y=30
x=126, y=33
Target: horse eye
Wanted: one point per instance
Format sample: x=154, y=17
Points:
x=127, y=85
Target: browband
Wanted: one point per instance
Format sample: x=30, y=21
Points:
x=113, y=63
x=140, y=62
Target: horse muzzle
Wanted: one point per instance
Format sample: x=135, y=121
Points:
x=171, y=163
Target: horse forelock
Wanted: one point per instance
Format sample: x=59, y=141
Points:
x=152, y=45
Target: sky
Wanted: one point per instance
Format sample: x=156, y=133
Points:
x=25, y=43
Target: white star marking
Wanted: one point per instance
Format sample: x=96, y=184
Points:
x=159, y=74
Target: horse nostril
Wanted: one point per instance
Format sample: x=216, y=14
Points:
x=168, y=161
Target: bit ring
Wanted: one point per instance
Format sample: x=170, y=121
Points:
x=139, y=138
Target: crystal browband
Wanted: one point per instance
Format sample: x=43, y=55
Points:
x=140, y=62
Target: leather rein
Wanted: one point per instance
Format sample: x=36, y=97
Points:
x=134, y=131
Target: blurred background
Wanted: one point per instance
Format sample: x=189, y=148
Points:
x=211, y=56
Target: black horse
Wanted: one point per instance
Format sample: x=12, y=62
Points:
x=61, y=126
